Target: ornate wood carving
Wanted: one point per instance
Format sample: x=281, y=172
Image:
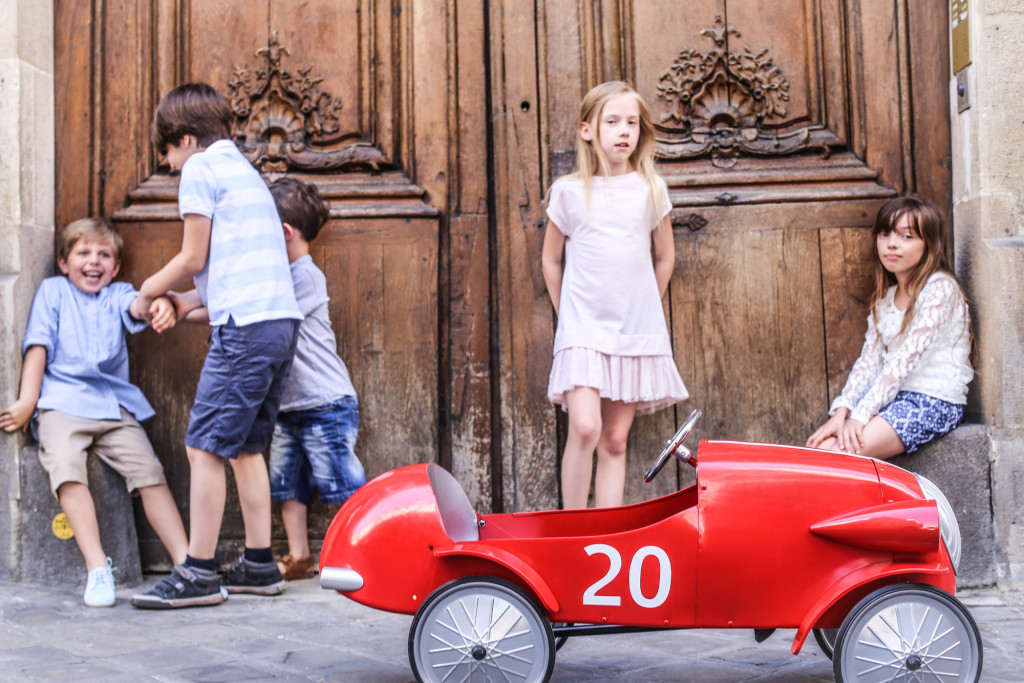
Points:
x=287, y=122
x=719, y=102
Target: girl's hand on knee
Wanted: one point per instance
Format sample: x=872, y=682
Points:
x=851, y=437
x=831, y=428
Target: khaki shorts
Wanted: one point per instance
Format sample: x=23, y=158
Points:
x=65, y=441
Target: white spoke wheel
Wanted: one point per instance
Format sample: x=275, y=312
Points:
x=908, y=632
x=481, y=629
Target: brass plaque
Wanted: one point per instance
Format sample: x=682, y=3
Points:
x=960, y=33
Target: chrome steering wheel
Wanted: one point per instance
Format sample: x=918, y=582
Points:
x=675, y=447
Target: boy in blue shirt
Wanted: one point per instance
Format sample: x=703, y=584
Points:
x=74, y=380
x=233, y=248
x=315, y=436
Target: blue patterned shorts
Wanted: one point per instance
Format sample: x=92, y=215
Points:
x=919, y=418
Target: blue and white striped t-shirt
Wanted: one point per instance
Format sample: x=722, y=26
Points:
x=246, y=276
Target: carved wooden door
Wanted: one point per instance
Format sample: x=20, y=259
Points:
x=782, y=128
x=435, y=128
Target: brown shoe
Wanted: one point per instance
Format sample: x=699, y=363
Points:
x=293, y=568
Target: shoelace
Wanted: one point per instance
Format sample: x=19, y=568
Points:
x=100, y=578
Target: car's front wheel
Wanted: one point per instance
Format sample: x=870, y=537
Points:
x=908, y=632
x=481, y=628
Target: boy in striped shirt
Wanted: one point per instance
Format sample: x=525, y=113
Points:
x=233, y=248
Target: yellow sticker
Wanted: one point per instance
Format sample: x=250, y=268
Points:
x=61, y=528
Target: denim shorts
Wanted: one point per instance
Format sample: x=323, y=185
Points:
x=316, y=449
x=919, y=418
x=240, y=387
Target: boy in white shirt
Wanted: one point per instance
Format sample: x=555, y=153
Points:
x=233, y=247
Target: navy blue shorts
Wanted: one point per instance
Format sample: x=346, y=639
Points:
x=240, y=387
x=919, y=418
x=316, y=449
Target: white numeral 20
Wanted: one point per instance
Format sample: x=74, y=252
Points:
x=590, y=596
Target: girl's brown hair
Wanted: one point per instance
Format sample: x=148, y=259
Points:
x=925, y=221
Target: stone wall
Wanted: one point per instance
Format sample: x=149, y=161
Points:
x=26, y=218
x=988, y=198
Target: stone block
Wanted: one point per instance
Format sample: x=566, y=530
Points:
x=959, y=464
x=48, y=559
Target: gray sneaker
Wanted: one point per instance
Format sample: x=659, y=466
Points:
x=261, y=578
x=184, y=587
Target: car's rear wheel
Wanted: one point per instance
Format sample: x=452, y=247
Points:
x=481, y=628
x=826, y=639
x=908, y=632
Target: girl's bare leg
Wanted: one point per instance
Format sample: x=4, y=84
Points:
x=610, y=481
x=584, y=405
x=880, y=440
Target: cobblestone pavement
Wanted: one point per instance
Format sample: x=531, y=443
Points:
x=311, y=634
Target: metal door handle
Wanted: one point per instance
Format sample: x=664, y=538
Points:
x=693, y=222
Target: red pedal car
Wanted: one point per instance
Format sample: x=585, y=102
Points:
x=858, y=551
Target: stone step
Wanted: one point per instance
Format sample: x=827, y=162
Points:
x=959, y=464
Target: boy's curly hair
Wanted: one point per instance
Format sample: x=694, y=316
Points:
x=92, y=229
x=192, y=109
x=300, y=205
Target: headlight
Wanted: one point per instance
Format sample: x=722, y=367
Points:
x=948, y=527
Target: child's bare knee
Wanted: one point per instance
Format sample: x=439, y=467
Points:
x=614, y=446
x=586, y=428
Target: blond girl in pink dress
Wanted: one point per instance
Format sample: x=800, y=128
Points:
x=612, y=352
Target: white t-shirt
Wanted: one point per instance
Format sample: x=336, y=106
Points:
x=609, y=300
x=931, y=358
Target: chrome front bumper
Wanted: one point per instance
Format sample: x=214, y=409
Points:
x=339, y=579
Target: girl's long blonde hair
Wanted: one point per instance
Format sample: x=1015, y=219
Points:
x=925, y=220
x=589, y=157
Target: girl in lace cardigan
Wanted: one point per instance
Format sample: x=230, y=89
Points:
x=909, y=385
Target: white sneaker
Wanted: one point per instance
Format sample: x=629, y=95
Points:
x=99, y=587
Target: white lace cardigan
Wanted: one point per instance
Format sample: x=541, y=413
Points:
x=930, y=358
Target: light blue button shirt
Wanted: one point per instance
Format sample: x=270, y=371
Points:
x=86, y=357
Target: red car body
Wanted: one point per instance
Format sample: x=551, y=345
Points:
x=768, y=537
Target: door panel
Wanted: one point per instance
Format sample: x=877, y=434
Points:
x=782, y=128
